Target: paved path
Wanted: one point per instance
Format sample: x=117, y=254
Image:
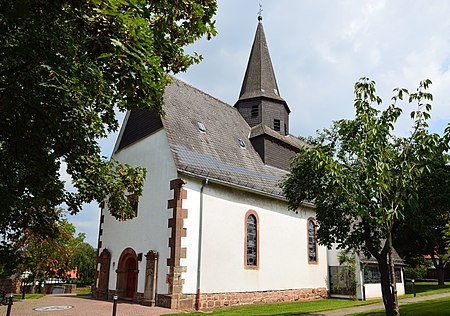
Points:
x=366, y=308
x=82, y=306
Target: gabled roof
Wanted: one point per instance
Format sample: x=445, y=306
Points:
x=371, y=260
x=259, y=79
x=215, y=154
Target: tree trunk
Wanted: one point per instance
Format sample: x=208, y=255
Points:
x=33, y=286
x=440, y=273
x=392, y=277
x=388, y=283
x=386, y=287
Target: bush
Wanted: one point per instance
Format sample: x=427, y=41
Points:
x=418, y=273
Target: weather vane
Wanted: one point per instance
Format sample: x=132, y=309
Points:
x=259, y=12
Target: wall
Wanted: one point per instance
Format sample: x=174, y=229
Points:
x=278, y=154
x=149, y=230
x=373, y=290
x=275, y=110
x=283, y=243
x=10, y=285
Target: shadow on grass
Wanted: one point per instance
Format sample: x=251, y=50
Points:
x=438, y=307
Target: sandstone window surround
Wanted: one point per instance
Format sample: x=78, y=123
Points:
x=251, y=251
x=312, y=241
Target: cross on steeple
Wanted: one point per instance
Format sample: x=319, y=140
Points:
x=260, y=12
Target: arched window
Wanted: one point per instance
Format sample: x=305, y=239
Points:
x=251, y=240
x=312, y=241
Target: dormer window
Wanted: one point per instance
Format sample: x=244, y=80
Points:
x=201, y=127
x=255, y=111
x=276, y=125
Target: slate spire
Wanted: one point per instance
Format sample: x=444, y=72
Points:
x=259, y=101
x=259, y=79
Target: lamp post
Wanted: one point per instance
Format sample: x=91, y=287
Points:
x=10, y=302
x=115, y=297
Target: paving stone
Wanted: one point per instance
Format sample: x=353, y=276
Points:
x=82, y=306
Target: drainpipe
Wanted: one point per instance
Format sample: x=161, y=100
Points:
x=200, y=233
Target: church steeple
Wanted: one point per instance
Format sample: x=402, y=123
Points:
x=259, y=100
x=259, y=79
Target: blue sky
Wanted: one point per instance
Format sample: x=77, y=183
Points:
x=319, y=49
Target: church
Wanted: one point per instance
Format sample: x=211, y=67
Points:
x=212, y=227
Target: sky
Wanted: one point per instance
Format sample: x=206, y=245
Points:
x=319, y=49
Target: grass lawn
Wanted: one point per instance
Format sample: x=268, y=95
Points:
x=422, y=288
x=426, y=288
x=294, y=308
x=83, y=291
x=439, y=307
x=28, y=296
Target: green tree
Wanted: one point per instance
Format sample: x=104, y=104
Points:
x=8, y=259
x=363, y=179
x=46, y=257
x=83, y=259
x=423, y=233
x=65, y=66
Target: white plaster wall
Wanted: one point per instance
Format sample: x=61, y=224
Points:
x=373, y=290
x=283, y=261
x=191, y=241
x=333, y=255
x=148, y=231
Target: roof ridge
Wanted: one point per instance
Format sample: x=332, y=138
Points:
x=201, y=91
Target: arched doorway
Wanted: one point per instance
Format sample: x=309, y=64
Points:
x=127, y=275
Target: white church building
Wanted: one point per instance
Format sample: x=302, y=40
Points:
x=213, y=228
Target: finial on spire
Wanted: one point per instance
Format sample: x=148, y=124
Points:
x=259, y=12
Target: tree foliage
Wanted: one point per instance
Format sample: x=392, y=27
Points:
x=83, y=259
x=363, y=179
x=423, y=233
x=65, y=66
x=46, y=257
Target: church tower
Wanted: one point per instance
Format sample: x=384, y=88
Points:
x=262, y=106
x=259, y=100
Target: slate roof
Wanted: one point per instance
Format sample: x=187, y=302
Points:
x=216, y=153
x=261, y=129
x=397, y=259
x=259, y=79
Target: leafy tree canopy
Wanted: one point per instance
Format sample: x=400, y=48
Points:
x=83, y=259
x=363, y=179
x=423, y=233
x=45, y=257
x=64, y=68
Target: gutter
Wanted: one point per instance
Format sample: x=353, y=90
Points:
x=244, y=188
x=200, y=235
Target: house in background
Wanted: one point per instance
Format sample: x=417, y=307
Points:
x=213, y=228
x=353, y=275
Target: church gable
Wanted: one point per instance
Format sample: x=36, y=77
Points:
x=139, y=125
